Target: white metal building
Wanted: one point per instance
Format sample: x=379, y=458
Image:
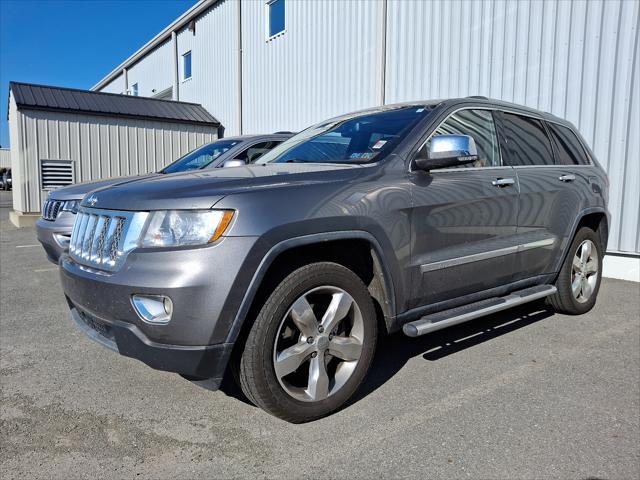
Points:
x=262, y=66
x=5, y=158
x=61, y=136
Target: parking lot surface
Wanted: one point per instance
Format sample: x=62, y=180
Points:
x=524, y=394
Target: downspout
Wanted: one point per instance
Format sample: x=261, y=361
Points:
x=383, y=52
x=125, y=76
x=176, y=83
x=239, y=61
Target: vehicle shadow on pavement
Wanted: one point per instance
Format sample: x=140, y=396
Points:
x=395, y=350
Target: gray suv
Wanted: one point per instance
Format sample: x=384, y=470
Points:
x=53, y=229
x=410, y=217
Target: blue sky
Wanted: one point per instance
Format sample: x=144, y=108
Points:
x=73, y=43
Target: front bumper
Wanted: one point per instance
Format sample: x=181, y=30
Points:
x=199, y=282
x=46, y=232
x=122, y=337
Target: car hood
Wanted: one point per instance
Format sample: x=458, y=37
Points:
x=79, y=190
x=202, y=189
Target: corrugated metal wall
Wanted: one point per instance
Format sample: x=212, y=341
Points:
x=326, y=63
x=115, y=86
x=5, y=158
x=154, y=73
x=576, y=59
x=214, y=82
x=101, y=147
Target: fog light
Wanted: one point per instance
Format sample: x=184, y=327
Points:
x=62, y=239
x=154, y=309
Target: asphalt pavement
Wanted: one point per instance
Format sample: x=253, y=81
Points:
x=523, y=394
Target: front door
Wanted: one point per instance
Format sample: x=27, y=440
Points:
x=464, y=218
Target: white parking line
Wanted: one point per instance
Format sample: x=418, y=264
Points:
x=52, y=269
x=26, y=246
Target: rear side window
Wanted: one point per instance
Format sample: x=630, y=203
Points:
x=527, y=141
x=479, y=125
x=569, y=148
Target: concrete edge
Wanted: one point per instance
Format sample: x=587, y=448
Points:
x=622, y=267
x=21, y=220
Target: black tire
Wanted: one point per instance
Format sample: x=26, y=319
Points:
x=564, y=300
x=257, y=374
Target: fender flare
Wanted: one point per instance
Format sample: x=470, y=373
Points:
x=284, y=245
x=583, y=213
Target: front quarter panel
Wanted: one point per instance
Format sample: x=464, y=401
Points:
x=376, y=201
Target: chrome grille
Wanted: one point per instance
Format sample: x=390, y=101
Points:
x=51, y=209
x=102, y=238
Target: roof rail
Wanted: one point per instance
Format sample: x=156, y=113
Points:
x=481, y=97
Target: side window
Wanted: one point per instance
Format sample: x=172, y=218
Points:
x=186, y=65
x=479, y=125
x=570, y=150
x=254, y=152
x=527, y=141
x=276, y=17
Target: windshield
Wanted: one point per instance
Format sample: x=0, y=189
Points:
x=361, y=138
x=200, y=157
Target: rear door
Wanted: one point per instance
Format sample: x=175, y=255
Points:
x=464, y=219
x=549, y=194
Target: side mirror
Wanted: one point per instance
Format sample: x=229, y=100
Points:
x=447, y=151
x=233, y=163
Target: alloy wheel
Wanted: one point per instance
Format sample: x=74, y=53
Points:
x=318, y=344
x=584, y=271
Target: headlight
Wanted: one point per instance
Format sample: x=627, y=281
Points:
x=168, y=228
x=71, y=206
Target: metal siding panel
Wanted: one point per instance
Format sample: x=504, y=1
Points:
x=5, y=158
x=577, y=60
x=329, y=49
x=214, y=78
x=155, y=72
x=115, y=86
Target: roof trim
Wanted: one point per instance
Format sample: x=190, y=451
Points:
x=156, y=41
x=29, y=96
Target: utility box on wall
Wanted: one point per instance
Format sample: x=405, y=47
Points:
x=61, y=136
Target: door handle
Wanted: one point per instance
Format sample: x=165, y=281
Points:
x=567, y=178
x=503, y=182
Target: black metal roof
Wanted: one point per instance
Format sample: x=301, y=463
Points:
x=45, y=97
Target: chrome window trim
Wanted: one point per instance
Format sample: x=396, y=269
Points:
x=477, y=257
x=514, y=112
x=495, y=125
x=469, y=169
x=553, y=166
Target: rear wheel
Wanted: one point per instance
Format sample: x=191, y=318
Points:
x=579, y=280
x=311, y=344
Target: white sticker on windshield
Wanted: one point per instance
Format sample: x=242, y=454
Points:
x=379, y=144
x=420, y=110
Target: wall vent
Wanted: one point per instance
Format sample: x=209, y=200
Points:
x=56, y=173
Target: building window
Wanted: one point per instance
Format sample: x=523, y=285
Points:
x=134, y=89
x=186, y=65
x=276, y=17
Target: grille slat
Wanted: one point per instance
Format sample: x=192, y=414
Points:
x=52, y=209
x=102, y=238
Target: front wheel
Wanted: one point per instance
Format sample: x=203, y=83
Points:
x=311, y=344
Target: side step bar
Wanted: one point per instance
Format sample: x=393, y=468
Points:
x=446, y=318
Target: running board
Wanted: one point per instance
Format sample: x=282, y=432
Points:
x=446, y=318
